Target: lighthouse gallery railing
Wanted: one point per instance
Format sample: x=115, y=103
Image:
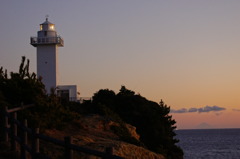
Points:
x=46, y=40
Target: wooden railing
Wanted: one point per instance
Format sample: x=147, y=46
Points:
x=12, y=126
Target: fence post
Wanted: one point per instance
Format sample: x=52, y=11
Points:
x=6, y=125
x=24, y=140
x=109, y=152
x=68, y=150
x=13, y=132
x=35, y=142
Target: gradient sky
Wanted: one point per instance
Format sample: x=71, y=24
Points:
x=182, y=51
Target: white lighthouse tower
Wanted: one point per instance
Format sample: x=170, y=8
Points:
x=47, y=43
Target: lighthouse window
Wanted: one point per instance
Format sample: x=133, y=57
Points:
x=52, y=27
x=45, y=33
x=40, y=27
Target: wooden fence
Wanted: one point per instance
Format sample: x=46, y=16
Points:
x=12, y=126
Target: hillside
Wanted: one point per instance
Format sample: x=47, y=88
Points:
x=94, y=131
x=151, y=124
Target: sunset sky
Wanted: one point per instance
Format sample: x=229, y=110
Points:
x=182, y=51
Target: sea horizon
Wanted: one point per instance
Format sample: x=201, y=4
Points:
x=203, y=128
x=220, y=143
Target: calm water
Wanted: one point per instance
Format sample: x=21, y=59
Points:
x=210, y=143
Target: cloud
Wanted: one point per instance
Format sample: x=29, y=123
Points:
x=193, y=110
x=237, y=110
x=210, y=108
x=183, y=110
x=205, y=109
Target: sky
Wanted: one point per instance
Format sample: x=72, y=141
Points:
x=184, y=52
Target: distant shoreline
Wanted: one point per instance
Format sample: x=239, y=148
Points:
x=207, y=129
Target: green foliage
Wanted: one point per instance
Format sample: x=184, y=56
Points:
x=152, y=120
x=21, y=87
x=25, y=88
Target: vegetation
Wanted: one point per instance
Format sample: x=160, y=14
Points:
x=25, y=88
x=21, y=87
x=152, y=120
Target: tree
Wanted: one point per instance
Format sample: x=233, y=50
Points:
x=105, y=96
x=125, y=92
x=152, y=120
x=24, y=87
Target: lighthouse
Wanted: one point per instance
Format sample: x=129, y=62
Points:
x=47, y=43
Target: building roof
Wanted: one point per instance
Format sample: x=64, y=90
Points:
x=46, y=22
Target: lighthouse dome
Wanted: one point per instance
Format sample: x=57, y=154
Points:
x=46, y=22
x=47, y=26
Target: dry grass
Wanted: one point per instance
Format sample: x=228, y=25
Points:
x=94, y=132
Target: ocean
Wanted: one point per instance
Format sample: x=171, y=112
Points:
x=210, y=143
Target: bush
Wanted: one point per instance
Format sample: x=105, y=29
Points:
x=152, y=120
x=25, y=88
